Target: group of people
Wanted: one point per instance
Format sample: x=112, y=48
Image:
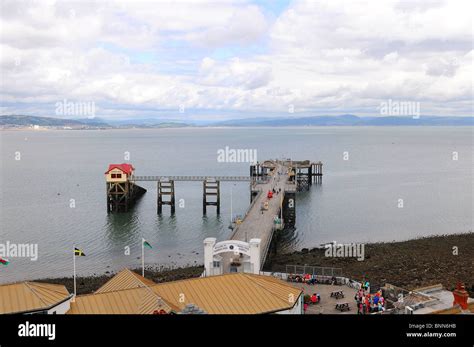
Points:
x=369, y=303
x=312, y=279
x=276, y=191
x=306, y=278
x=313, y=300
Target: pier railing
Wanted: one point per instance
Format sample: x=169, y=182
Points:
x=192, y=178
x=314, y=270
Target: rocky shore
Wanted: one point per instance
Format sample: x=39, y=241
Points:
x=408, y=264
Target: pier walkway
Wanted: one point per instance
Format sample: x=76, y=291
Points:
x=191, y=178
x=261, y=225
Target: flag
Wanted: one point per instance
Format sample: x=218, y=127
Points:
x=146, y=244
x=78, y=252
x=4, y=262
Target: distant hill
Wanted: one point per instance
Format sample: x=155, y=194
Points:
x=25, y=121
x=33, y=120
x=22, y=120
x=348, y=120
x=148, y=123
x=342, y=120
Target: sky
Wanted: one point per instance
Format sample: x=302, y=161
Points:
x=226, y=59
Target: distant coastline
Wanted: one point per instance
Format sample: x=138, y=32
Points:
x=24, y=122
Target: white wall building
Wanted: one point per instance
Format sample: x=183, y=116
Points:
x=231, y=256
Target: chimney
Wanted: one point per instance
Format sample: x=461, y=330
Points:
x=460, y=296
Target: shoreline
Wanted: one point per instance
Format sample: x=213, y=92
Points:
x=408, y=264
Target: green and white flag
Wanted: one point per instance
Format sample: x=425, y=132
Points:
x=146, y=244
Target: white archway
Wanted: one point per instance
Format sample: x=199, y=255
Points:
x=213, y=261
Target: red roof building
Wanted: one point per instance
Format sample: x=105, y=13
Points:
x=125, y=168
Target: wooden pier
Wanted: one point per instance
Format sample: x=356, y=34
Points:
x=265, y=215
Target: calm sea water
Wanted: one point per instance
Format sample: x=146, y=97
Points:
x=356, y=202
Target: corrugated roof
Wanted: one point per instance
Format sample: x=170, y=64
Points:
x=30, y=296
x=127, y=168
x=129, y=301
x=238, y=293
x=125, y=279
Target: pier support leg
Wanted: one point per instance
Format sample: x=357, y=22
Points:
x=320, y=172
x=317, y=172
x=173, y=200
x=159, y=199
x=211, y=188
x=303, y=179
x=204, y=198
x=122, y=195
x=165, y=189
x=118, y=197
x=109, y=209
x=218, y=206
x=289, y=209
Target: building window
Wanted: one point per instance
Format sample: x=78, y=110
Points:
x=119, y=175
x=116, y=175
x=216, y=264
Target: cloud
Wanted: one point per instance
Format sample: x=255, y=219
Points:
x=234, y=73
x=232, y=56
x=234, y=27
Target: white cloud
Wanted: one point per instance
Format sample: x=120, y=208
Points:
x=234, y=73
x=231, y=56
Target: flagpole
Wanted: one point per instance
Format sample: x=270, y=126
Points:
x=143, y=257
x=74, y=262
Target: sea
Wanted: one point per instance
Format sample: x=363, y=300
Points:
x=379, y=184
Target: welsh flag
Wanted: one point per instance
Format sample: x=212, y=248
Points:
x=146, y=243
x=4, y=262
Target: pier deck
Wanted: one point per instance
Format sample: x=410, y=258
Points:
x=261, y=225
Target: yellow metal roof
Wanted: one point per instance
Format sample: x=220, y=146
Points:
x=125, y=279
x=238, y=293
x=128, y=301
x=30, y=296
